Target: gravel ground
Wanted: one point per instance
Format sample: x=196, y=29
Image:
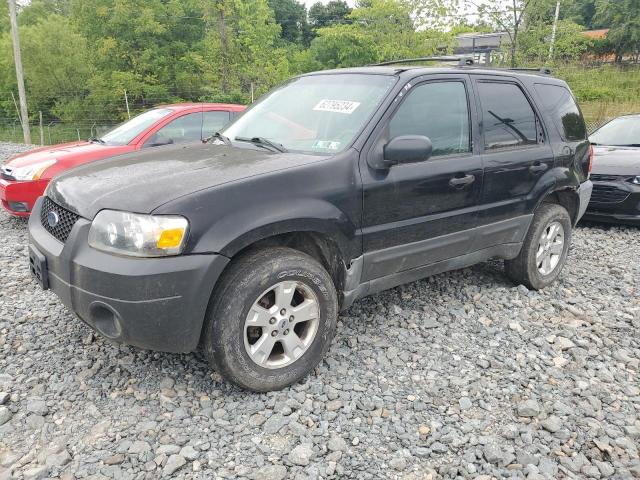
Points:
x=460, y=375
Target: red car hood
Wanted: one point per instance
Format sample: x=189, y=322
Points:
x=67, y=155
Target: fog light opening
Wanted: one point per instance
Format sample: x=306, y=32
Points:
x=21, y=207
x=106, y=320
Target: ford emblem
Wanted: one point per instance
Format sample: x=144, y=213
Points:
x=52, y=219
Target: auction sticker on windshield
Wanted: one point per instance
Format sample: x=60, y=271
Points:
x=336, y=106
x=326, y=145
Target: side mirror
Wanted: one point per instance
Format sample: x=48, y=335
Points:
x=406, y=149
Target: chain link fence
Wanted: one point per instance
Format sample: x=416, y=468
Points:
x=92, y=120
x=604, y=92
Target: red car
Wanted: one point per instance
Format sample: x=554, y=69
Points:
x=25, y=176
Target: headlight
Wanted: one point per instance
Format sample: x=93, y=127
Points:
x=636, y=180
x=31, y=172
x=138, y=235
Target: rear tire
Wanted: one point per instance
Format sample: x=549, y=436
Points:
x=252, y=336
x=545, y=248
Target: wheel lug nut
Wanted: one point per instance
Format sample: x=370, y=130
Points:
x=291, y=318
x=272, y=320
x=286, y=332
x=274, y=333
x=283, y=312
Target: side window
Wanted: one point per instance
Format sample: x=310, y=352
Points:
x=187, y=128
x=436, y=110
x=507, y=117
x=213, y=121
x=564, y=110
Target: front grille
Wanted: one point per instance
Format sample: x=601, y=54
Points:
x=608, y=194
x=596, y=177
x=66, y=219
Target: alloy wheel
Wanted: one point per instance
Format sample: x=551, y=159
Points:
x=550, y=248
x=281, y=324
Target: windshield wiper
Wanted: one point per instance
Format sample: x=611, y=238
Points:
x=263, y=142
x=220, y=136
x=96, y=140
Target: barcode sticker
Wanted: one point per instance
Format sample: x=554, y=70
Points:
x=336, y=106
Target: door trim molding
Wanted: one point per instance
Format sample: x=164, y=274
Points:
x=386, y=268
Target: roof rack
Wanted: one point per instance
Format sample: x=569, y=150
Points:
x=462, y=61
x=541, y=70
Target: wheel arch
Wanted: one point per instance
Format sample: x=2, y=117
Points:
x=565, y=197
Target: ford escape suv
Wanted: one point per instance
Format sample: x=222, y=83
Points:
x=334, y=186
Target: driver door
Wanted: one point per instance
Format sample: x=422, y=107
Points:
x=184, y=129
x=417, y=214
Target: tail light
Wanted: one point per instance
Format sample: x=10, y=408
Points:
x=590, y=159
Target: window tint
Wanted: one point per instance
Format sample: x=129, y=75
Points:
x=187, y=128
x=438, y=111
x=212, y=122
x=507, y=116
x=559, y=101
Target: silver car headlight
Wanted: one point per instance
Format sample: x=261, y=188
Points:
x=138, y=235
x=30, y=172
x=636, y=180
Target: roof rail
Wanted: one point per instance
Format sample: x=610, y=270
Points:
x=462, y=61
x=541, y=70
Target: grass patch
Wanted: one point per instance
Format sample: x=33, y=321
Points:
x=603, y=92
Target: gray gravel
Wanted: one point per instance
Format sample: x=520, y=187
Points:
x=460, y=375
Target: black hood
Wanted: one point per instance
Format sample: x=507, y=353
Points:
x=616, y=160
x=142, y=181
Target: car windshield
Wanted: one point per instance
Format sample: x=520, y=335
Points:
x=313, y=114
x=622, y=131
x=127, y=131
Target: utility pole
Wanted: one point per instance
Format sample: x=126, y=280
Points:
x=554, y=30
x=24, y=116
x=126, y=101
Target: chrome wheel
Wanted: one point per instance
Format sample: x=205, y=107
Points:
x=550, y=248
x=281, y=324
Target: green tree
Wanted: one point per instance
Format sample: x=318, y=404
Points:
x=570, y=43
x=377, y=30
x=56, y=67
x=292, y=18
x=507, y=16
x=145, y=41
x=334, y=12
x=623, y=18
x=240, y=50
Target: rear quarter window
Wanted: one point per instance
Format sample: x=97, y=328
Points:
x=564, y=110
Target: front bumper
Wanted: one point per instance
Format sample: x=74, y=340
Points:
x=620, y=205
x=152, y=303
x=23, y=193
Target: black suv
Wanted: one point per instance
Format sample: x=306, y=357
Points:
x=336, y=185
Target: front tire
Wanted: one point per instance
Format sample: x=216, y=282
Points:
x=545, y=248
x=271, y=319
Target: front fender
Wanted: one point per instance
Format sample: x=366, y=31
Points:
x=238, y=229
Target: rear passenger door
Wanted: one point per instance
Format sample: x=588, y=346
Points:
x=515, y=154
x=417, y=214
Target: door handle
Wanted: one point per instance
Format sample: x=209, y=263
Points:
x=538, y=167
x=459, y=182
